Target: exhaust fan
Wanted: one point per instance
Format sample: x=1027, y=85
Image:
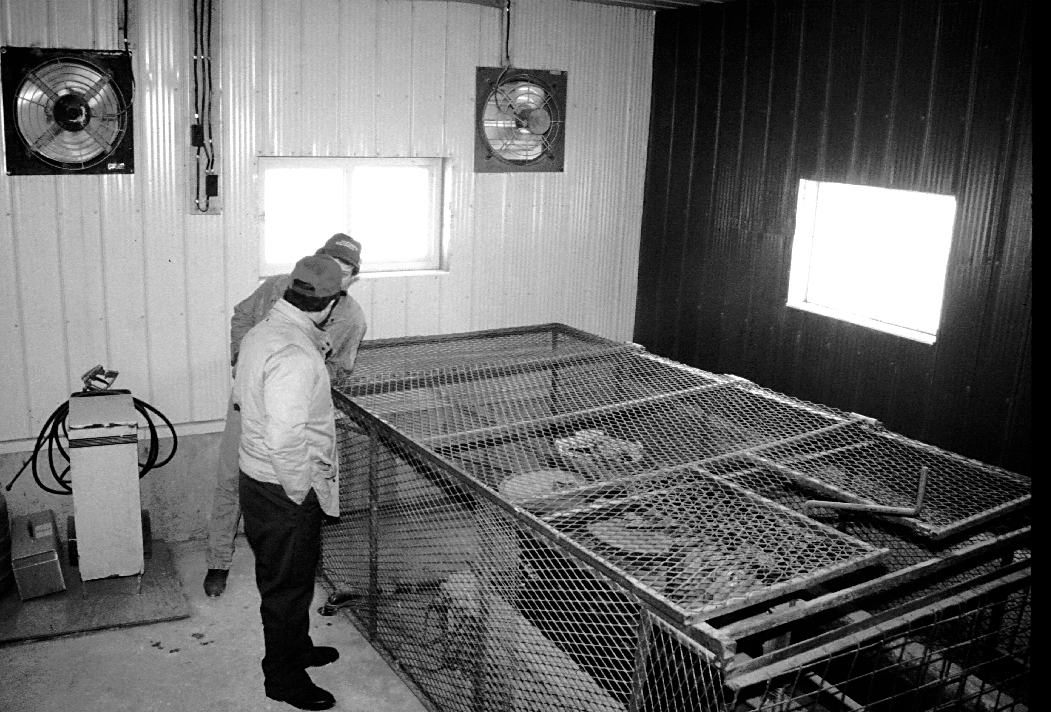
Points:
x=520, y=120
x=67, y=111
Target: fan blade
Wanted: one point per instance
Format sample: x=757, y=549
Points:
x=101, y=140
x=47, y=137
x=41, y=84
x=95, y=90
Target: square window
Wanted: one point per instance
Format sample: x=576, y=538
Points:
x=872, y=256
x=393, y=206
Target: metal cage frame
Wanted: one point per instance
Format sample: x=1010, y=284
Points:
x=540, y=518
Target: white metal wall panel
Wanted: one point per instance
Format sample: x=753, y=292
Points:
x=245, y=132
x=358, y=77
x=35, y=213
x=125, y=285
x=394, y=68
x=119, y=270
x=464, y=28
x=426, y=78
x=82, y=272
x=14, y=408
x=27, y=23
x=162, y=26
x=319, y=78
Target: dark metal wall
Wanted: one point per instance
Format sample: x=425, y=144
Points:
x=749, y=97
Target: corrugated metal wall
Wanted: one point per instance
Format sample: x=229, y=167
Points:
x=750, y=97
x=117, y=270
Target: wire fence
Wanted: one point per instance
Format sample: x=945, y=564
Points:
x=540, y=519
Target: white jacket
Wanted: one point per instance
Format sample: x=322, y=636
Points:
x=288, y=429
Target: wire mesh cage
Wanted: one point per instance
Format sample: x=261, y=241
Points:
x=541, y=519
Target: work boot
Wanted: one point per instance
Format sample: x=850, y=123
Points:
x=305, y=697
x=215, y=582
x=322, y=655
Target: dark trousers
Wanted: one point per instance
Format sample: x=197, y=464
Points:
x=286, y=541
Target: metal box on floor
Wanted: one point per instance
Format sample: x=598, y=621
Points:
x=34, y=555
x=104, y=469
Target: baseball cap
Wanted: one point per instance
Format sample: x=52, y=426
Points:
x=317, y=276
x=344, y=248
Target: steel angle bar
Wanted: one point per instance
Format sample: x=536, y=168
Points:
x=677, y=366
x=450, y=376
x=807, y=457
x=469, y=438
x=812, y=408
x=749, y=452
x=855, y=595
x=976, y=520
x=863, y=628
x=639, y=669
x=475, y=336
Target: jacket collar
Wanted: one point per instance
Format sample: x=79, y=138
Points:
x=286, y=312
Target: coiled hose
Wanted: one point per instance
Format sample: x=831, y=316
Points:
x=55, y=429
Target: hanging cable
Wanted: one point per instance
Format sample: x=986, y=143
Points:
x=208, y=93
x=202, y=133
x=125, y=25
x=507, y=34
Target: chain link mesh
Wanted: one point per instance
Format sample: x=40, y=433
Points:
x=540, y=519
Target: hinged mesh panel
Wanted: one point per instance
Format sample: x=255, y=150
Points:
x=541, y=519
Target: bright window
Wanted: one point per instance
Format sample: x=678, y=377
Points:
x=393, y=206
x=872, y=256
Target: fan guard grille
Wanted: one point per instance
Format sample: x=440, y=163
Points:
x=521, y=120
x=519, y=116
x=68, y=111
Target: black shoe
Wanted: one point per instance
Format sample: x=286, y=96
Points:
x=215, y=582
x=306, y=697
x=322, y=655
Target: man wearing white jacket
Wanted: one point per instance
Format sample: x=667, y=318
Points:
x=289, y=467
x=345, y=328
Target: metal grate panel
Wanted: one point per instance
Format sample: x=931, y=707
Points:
x=708, y=546
x=868, y=465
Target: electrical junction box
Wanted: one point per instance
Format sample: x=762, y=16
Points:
x=34, y=555
x=104, y=475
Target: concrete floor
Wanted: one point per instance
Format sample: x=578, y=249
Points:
x=209, y=661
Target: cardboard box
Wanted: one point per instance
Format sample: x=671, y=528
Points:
x=34, y=555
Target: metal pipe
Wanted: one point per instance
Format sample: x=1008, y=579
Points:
x=913, y=511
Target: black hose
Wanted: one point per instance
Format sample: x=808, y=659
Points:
x=60, y=414
x=55, y=429
x=143, y=407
